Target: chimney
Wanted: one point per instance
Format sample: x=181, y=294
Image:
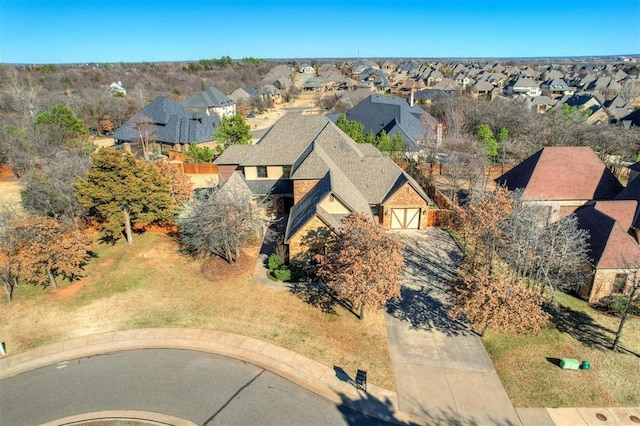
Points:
x=411, y=97
x=438, y=134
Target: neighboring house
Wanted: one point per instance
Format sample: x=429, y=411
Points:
x=169, y=124
x=241, y=96
x=557, y=88
x=394, y=115
x=632, y=119
x=315, y=175
x=315, y=84
x=618, y=107
x=525, y=86
x=116, y=89
x=426, y=96
x=482, y=88
x=588, y=104
x=270, y=93
x=543, y=103
x=612, y=247
x=212, y=102
x=448, y=85
x=561, y=179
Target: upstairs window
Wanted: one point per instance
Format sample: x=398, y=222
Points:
x=261, y=171
x=286, y=171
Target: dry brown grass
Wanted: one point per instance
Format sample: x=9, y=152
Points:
x=150, y=284
x=528, y=366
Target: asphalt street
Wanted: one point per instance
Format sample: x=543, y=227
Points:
x=199, y=387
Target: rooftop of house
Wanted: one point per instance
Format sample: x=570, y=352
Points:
x=211, y=97
x=563, y=173
x=393, y=115
x=314, y=146
x=170, y=122
x=610, y=244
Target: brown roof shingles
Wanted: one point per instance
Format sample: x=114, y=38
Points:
x=563, y=173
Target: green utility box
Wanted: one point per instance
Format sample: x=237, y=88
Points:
x=586, y=365
x=569, y=364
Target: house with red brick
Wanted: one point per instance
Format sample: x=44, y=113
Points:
x=573, y=180
x=613, y=247
x=559, y=179
x=315, y=175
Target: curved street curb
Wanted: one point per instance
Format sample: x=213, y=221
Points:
x=141, y=416
x=314, y=376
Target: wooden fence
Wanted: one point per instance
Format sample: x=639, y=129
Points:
x=196, y=168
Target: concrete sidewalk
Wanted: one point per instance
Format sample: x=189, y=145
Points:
x=329, y=382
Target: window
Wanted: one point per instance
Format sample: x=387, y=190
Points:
x=261, y=171
x=619, y=283
x=375, y=210
x=286, y=171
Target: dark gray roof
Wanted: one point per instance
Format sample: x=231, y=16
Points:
x=211, y=97
x=393, y=115
x=169, y=122
x=432, y=94
x=272, y=187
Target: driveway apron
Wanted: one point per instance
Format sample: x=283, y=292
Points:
x=442, y=371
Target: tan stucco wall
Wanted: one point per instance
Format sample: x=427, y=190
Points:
x=558, y=208
x=296, y=245
x=405, y=197
x=274, y=172
x=602, y=284
x=301, y=187
x=251, y=173
x=333, y=207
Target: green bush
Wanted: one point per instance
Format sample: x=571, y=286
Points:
x=282, y=274
x=274, y=262
x=614, y=305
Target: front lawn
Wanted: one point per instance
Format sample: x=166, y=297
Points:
x=528, y=366
x=150, y=284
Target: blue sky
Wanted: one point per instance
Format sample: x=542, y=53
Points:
x=70, y=31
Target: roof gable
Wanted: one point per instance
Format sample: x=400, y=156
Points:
x=610, y=245
x=562, y=173
x=211, y=97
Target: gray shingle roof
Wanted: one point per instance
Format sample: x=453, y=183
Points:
x=393, y=115
x=210, y=97
x=233, y=154
x=170, y=122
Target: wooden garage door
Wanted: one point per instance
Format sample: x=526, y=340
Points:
x=405, y=218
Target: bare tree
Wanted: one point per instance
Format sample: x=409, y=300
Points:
x=630, y=90
x=8, y=275
x=23, y=93
x=146, y=132
x=632, y=269
x=221, y=221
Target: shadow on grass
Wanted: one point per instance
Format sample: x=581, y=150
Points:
x=315, y=294
x=580, y=326
x=554, y=361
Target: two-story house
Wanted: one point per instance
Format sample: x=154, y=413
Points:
x=315, y=175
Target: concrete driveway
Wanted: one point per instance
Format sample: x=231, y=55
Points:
x=442, y=371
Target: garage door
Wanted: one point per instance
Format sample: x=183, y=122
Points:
x=405, y=218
